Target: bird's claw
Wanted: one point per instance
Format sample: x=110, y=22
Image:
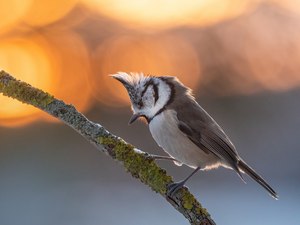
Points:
x=173, y=188
x=152, y=157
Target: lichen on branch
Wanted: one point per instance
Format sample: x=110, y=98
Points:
x=22, y=91
x=134, y=161
x=146, y=170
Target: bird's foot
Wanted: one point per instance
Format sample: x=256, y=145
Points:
x=174, y=187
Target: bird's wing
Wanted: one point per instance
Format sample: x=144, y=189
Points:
x=204, y=132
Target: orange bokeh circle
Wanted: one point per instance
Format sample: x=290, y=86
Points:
x=27, y=59
x=155, y=55
x=56, y=62
x=165, y=14
x=72, y=66
x=44, y=12
x=291, y=5
x=11, y=12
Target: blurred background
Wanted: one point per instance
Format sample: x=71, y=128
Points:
x=240, y=57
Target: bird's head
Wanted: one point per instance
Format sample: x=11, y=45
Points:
x=148, y=94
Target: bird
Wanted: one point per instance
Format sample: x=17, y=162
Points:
x=182, y=128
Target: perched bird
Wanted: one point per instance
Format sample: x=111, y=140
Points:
x=182, y=127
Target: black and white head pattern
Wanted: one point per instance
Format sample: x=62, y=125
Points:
x=149, y=95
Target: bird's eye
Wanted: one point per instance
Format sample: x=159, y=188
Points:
x=140, y=104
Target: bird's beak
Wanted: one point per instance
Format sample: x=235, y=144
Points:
x=134, y=117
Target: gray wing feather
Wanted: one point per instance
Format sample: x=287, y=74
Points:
x=193, y=136
x=204, y=132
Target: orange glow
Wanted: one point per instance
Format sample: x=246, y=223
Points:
x=49, y=11
x=69, y=50
x=28, y=61
x=11, y=12
x=264, y=56
x=73, y=68
x=268, y=70
x=170, y=13
x=58, y=64
x=292, y=5
x=156, y=55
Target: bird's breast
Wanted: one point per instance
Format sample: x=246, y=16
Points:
x=164, y=130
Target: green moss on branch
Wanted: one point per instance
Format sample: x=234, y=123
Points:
x=190, y=203
x=148, y=172
x=23, y=92
x=138, y=165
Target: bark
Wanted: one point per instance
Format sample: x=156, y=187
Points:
x=134, y=160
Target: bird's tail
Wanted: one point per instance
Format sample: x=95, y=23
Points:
x=248, y=170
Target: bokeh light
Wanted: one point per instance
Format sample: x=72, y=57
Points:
x=291, y=5
x=262, y=57
x=72, y=63
x=30, y=62
x=11, y=12
x=155, y=55
x=44, y=12
x=162, y=14
x=48, y=61
x=224, y=47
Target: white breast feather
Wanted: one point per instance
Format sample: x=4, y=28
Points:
x=165, y=132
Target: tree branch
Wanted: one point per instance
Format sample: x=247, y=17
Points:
x=134, y=160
